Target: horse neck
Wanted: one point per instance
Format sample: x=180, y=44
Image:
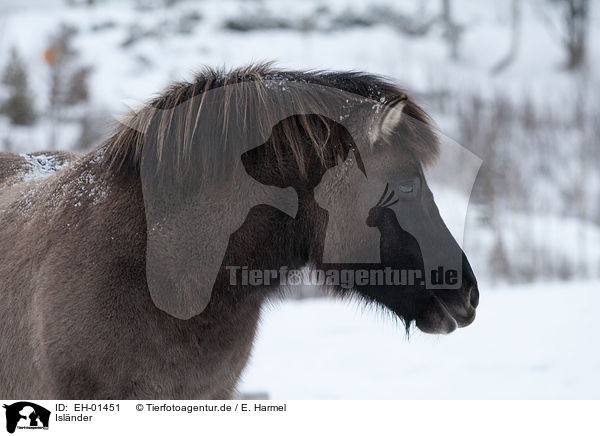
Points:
x=125, y=216
x=108, y=204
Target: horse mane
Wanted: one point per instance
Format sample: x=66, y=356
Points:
x=169, y=122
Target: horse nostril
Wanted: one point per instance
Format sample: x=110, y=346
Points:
x=474, y=296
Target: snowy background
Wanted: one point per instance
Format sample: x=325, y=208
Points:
x=496, y=76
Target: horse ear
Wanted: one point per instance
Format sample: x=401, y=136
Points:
x=405, y=124
x=389, y=121
x=392, y=118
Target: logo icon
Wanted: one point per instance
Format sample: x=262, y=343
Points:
x=26, y=415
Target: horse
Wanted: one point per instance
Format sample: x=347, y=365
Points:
x=118, y=266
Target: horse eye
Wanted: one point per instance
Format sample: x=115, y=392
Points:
x=406, y=188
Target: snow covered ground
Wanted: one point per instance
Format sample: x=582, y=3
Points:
x=528, y=342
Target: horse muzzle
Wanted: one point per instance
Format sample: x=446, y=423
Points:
x=447, y=309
